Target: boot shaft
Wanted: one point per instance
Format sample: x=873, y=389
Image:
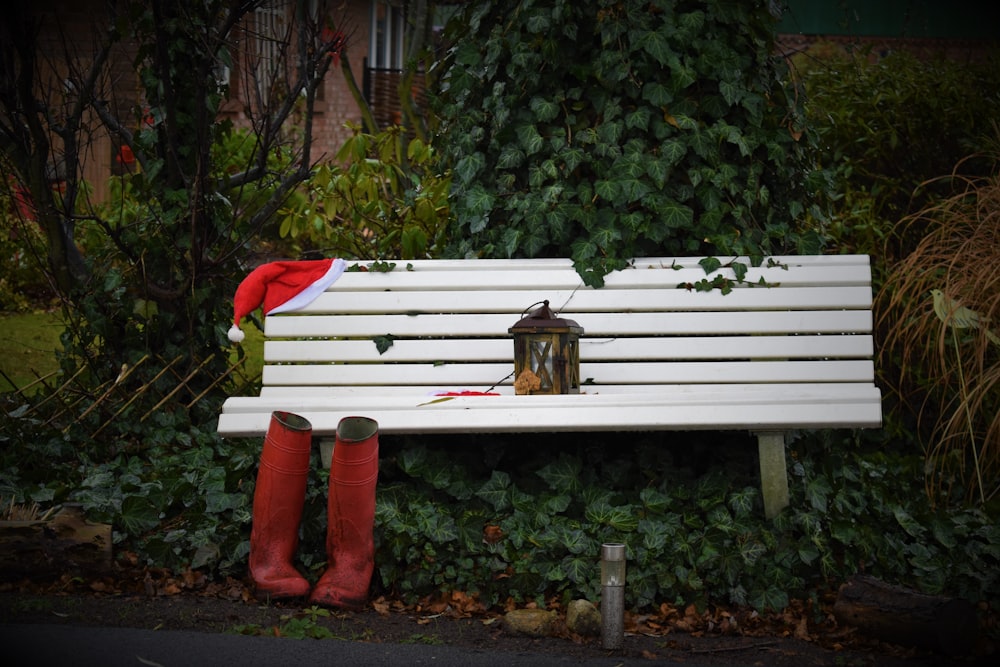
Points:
x=278, y=501
x=355, y=453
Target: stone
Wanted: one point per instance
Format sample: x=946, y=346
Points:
x=530, y=622
x=583, y=618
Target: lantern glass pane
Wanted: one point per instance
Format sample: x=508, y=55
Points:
x=541, y=361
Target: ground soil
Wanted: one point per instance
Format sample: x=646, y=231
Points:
x=188, y=603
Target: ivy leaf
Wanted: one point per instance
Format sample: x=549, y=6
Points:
x=676, y=216
x=529, y=139
x=138, y=515
x=740, y=269
x=606, y=189
x=657, y=94
x=579, y=569
x=710, y=264
x=383, y=343
x=469, y=166
x=563, y=475
x=655, y=535
x=730, y=92
x=544, y=109
x=496, y=491
x=654, y=42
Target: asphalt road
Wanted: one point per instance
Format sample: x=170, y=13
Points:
x=72, y=646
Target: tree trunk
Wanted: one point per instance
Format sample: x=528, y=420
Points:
x=67, y=543
x=902, y=616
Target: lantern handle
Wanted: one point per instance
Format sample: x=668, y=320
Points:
x=544, y=302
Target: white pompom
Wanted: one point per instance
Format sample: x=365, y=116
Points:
x=236, y=334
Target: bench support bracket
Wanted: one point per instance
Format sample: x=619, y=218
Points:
x=773, y=472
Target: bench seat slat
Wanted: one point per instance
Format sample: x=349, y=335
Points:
x=516, y=414
x=595, y=324
x=591, y=349
x=686, y=372
x=840, y=390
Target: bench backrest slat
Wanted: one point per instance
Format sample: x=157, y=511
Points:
x=591, y=349
x=581, y=301
x=594, y=324
x=568, y=279
x=480, y=376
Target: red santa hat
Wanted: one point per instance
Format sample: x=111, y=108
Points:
x=282, y=287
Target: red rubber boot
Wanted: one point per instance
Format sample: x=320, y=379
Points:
x=350, y=539
x=278, y=499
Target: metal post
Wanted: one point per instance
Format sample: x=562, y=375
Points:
x=612, y=595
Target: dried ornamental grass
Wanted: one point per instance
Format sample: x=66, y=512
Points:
x=948, y=358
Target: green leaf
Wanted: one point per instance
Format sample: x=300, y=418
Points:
x=654, y=42
x=529, y=139
x=908, y=523
x=383, y=343
x=563, y=474
x=469, y=166
x=710, y=264
x=581, y=569
x=676, y=216
x=544, y=109
x=496, y=491
x=138, y=515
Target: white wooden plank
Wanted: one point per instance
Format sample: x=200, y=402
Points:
x=569, y=279
x=332, y=395
x=570, y=303
x=595, y=324
x=685, y=372
x=453, y=416
x=591, y=349
x=555, y=263
x=754, y=394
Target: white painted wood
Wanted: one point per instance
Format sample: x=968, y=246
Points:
x=656, y=353
x=517, y=418
x=595, y=324
x=571, y=302
x=758, y=395
x=591, y=349
x=540, y=264
x=704, y=392
x=687, y=372
x=773, y=472
x=568, y=279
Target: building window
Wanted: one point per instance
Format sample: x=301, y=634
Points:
x=271, y=45
x=386, y=45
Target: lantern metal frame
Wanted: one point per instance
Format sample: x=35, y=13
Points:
x=549, y=348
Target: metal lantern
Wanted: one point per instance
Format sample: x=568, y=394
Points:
x=546, y=353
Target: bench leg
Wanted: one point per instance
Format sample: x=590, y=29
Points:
x=773, y=472
x=326, y=451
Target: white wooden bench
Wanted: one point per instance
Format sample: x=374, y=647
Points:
x=656, y=353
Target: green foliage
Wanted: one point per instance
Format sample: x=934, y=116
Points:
x=306, y=624
x=609, y=130
x=523, y=518
x=891, y=128
x=526, y=521
x=21, y=280
x=381, y=198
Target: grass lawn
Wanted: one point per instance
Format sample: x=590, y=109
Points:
x=29, y=347
x=32, y=339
